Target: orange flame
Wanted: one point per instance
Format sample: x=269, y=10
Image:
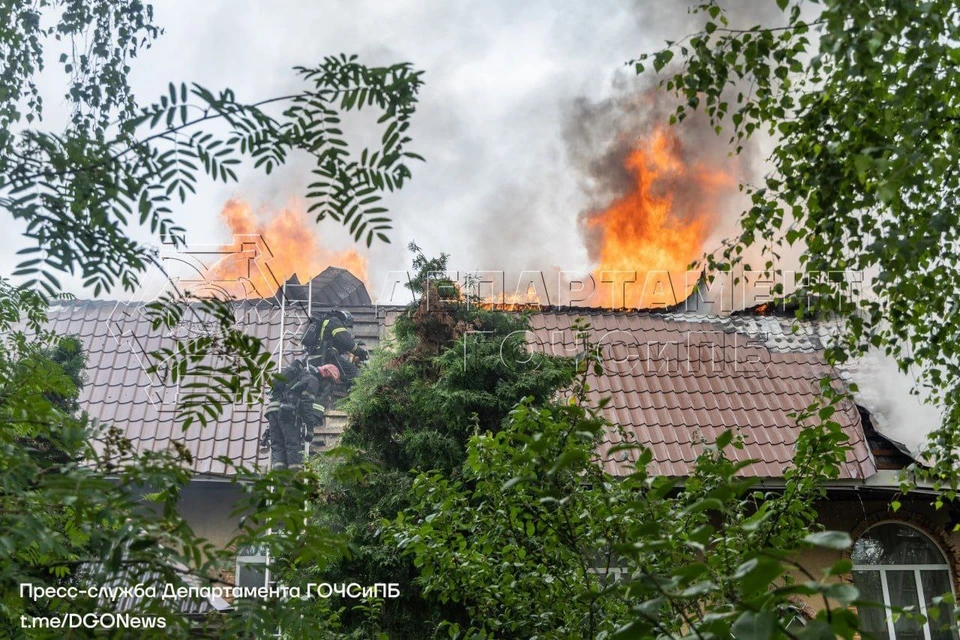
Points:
x=659, y=226
x=286, y=243
x=512, y=301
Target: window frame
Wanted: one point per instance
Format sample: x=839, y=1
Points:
x=882, y=569
x=261, y=557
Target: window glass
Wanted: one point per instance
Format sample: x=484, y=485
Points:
x=252, y=550
x=896, y=544
x=872, y=619
x=251, y=575
x=937, y=584
x=901, y=567
x=902, y=586
x=251, y=566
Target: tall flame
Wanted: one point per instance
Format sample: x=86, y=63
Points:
x=660, y=225
x=287, y=244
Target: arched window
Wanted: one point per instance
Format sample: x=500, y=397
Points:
x=901, y=567
x=253, y=569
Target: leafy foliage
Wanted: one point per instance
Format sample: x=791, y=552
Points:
x=536, y=539
x=862, y=101
x=78, y=192
x=56, y=511
x=103, y=37
x=79, y=505
x=414, y=407
x=214, y=367
x=72, y=506
x=426, y=270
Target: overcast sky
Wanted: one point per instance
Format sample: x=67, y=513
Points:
x=498, y=190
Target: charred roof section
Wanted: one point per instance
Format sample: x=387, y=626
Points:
x=887, y=453
x=334, y=287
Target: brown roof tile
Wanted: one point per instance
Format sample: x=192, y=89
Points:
x=676, y=380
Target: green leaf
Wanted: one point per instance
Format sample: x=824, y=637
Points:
x=755, y=626
x=839, y=568
x=706, y=504
x=758, y=574
x=636, y=630
x=845, y=594
x=724, y=439
x=662, y=59
x=829, y=539
x=817, y=630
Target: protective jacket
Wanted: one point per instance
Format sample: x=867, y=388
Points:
x=286, y=443
x=328, y=341
x=311, y=392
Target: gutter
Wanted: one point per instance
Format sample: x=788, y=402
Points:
x=882, y=480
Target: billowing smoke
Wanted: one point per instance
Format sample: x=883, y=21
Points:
x=600, y=136
x=884, y=391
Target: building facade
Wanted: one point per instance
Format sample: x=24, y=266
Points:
x=675, y=382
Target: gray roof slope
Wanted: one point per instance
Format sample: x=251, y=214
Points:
x=119, y=340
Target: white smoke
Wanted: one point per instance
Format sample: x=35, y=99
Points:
x=885, y=392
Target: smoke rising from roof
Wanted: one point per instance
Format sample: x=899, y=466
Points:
x=884, y=391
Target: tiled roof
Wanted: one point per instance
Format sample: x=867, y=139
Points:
x=119, y=392
x=677, y=380
x=125, y=581
x=673, y=380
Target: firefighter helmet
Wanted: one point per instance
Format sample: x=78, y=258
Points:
x=345, y=317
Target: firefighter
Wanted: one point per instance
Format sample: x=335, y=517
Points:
x=296, y=409
x=328, y=340
x=312, y=392
x=281, y=416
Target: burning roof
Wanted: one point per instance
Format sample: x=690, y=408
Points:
x=275, y=247
x=675, y=380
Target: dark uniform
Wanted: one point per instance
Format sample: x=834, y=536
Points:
x=284, y=437
x=300, y=395
x=295, y=411
x=313, y=391
x=328, y=340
